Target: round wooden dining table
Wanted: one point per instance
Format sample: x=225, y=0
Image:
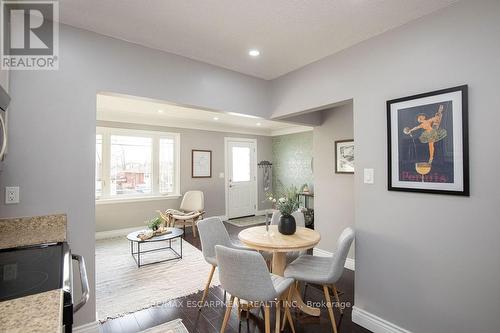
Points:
x=273, y=241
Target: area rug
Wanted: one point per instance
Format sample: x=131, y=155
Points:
x=174, y=326
x=123, y=288
x=248, y=221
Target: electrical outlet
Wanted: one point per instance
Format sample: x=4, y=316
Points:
x=11, y=195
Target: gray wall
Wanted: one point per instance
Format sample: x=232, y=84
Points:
x=53, y=116
x=132, y=214
x=292, y=156
x=333, y=192
x=428, y=263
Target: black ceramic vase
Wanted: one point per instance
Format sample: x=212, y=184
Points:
x=287, y=225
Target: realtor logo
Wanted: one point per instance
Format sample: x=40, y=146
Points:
x=29, y=35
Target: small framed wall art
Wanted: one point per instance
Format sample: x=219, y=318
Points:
x=344, y=156
x=201, y=163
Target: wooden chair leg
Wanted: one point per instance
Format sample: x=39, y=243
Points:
x=205, y=292
x=336, y=294
x=329, y=306
x=267, y=318
x=239, y=310
x=278, y=314
x=229, y=306
x=194, y=229
x=288, y=314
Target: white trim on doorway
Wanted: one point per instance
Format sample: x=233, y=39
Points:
x=226, y=180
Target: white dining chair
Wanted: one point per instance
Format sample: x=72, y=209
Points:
x=325, y=271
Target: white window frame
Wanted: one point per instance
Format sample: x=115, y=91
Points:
x=155, y=194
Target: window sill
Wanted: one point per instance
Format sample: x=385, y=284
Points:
x=136, y=199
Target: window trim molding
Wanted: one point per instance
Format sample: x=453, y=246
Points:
x=156, y=136
x=145, y=198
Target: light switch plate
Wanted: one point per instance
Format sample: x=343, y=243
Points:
x=221, y=175
x=369, y=177
x=11, y=195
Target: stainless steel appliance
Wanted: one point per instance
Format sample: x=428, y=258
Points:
x=4, y=103
x=34, y=269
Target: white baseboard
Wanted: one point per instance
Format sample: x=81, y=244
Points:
x=93, y=327
x=374, y=323
x=117, y=232
x=349, y=262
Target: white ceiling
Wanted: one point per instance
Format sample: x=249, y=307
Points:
x=126, y=109
x=289, y=33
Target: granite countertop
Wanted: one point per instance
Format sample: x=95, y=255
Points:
x=35, y=313
x=22, y=231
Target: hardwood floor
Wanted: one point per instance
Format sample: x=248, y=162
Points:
x=209, y=320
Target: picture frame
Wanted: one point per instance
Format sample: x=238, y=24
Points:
x=201, y=163
x=428, y=143
x=344, y=156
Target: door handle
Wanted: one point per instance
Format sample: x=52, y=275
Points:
x=84, y=280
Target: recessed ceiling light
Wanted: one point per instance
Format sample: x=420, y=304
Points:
x=160, y=111
x=254, y=53
x=258, y=124
x=216, y=118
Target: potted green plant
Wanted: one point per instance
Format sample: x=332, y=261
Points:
x=155, y=223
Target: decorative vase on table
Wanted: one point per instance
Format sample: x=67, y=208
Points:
x=287, y=225
x=286, y=202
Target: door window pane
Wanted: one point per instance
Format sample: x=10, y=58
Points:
x=167, y=170
x=98, y=165
x=241, y=164
x=130, y=165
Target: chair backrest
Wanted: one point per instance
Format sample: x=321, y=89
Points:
x=300, y=221
x=339, y=257
x=193, y=201
x=299, y=218
x=244, y=274
x=212, y=232
x=276, y=217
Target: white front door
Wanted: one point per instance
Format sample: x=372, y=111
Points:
x=241, y=180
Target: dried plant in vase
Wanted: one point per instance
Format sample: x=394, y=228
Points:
x=287, y=202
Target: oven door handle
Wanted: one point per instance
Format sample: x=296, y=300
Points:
x=84, y=280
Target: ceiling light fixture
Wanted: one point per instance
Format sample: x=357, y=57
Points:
x=254, y=53
x=258, y=124
x=160, y=111
x=216, y=118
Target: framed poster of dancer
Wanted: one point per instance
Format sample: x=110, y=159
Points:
x=428, y=142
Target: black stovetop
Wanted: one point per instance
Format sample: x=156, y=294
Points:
x=31, y=270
